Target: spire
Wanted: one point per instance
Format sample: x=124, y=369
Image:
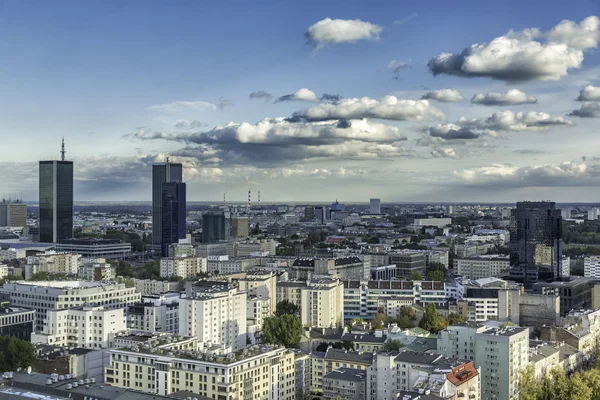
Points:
x=62, y=150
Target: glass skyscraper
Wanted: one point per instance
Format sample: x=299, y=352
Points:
x=535, y=241
x=173, y=214
x=214, y=227
x=161, y=174
x=55, y=201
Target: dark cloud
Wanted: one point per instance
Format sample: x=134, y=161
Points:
x=589, y=109
x=303, y=94
x=331, y=97
x=181, y=125
x=344, y=124
x=224, y=104
x=261, y=95
x=197, y=124
x=452, y=132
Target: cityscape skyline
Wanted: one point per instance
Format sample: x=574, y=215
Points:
x=305, y=106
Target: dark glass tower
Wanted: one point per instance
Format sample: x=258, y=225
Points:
x=173, y=214
x=56, y=199
x=214, y=227
x=162, y=173
x=535, y=241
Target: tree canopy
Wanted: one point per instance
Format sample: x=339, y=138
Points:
x=432, y=321
x=455, y=318
x=15, y=353
x=285, y=330
x=583, y=385
x=392, y=345
x=286, y=307
x=415, y=276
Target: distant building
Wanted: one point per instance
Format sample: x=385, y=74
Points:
x=481, y=266
x=173, y=229
x=213, y=227
x=239, y=226
x=593, y=214
x=56, y=200
x=320, y=214
x=575, y=294
x=182, y=267
x=321, y=301
x=162, y=173
x=375, y=206
x=407, y=263
x=13, y=214
x=437, y=222
x=309, y=212
x=152, y=286
x=113, y=248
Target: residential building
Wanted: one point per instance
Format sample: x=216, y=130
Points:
x=183, y=250
x=13, y=214
x=578, y=329
x=211, y=249
x=215, y=314
x=349, y=383
x=262, y=284
x=55, y=199
x=591, y=267
x=481, y=266
x=96, y=270
x=239, y=226
x=322, y=364
x=214, y=227
x=85, y=326
x=261, y=372
x=247, y=247
x=535, y=241
x=375, y=206
x=53, y=263
x=257, y=309
x=152, y=286
x=321, y=301
x=408, y=262
x=222, y=265
x=17, y=322
x=45, y=296
x=309, y=212
x=95, y=248
x=155, y=313
x=183, y=267
x=162, y=173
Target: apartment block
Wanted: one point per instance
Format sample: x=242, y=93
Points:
x=481, y=266
x=155, y=313
x=182, y=267
x=53, y=263
x=86, y=326
x=96, y=270
x=408, y=262
x=591, y=267
x=247, y=247
x=322, y=364
x=215, y=314
x=45, y=296
x=261, y=284
x=347, y=383
x=153, y=286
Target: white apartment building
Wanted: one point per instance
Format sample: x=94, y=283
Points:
x=257, y=309
x=408, y=371
x=222, y=265
x=153, y=286
x=593, y=214
x=500, y=354
x=52, y=295
x=96, y=270
x=321, y=301
x=86, y=326
x=155, y=313
x=437, y=222
x=257, y=372
x=245, y=248
x=481, y=266
x=591, y=267
x=53, y=263
x=262, y=284
x=216, y=315
x=182, y=267
x=3, y=271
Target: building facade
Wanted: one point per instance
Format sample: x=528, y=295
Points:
x=13, y=214
x=173, y=228
x=55, y=201
x=162, y=173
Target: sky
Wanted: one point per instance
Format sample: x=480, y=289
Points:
x=305, y=101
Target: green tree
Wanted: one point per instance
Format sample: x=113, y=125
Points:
x=322, y=347
x=392, y=345
x=578, y=389
x=379, y=321
x=560, y=384
x=284, y=331
x=16, y=353
x=436, y=276
x=286, y=307
x=124, y=269
x=432, y=321
x=455, y=318
x=415, y=276
x=529, y=387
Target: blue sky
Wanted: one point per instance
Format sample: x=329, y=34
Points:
x=101, y=72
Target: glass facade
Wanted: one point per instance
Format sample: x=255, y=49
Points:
x=213, y=227
x=162, y=173
x=173, y=214
x=55, y=201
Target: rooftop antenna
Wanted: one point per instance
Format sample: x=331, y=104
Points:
x=167, y=159
x=249, y=199
x=62, y=150
x=223, y=198
x=259, y=199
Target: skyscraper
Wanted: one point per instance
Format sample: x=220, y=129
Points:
x=375, y=206
x=239, y=226
x=214, y=227
x=56, y=199
x=13, y=213
x=162, y=173
x=173, y=215
x=535, y=241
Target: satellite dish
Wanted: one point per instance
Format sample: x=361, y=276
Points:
x=29, y=370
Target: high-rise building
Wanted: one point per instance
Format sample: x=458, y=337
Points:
x=320, y=213
x=375, y=206
x=535, y=241
x=56, y=199
x=309, y=212
x=173, y=215
x=13, y=214
x=162, y=173
x=214, y=227
x=239, y=226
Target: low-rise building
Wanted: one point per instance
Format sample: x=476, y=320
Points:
x=347, y=383
x=481, y=266
x=575, y=294
x=154, y=286
x=96, y=270
x=95, y=248
x=183, y=267
x=52, y=263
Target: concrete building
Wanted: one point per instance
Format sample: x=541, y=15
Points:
x=182, y=250
x=575, y=294
x=321, y=301
x=265, y=372
x=45, y=296
x=322, y=364
x=215, y=314
x=77, y=362
x=152, y=286
x=591, y=267
x=349, y=383
x=257, y=309
x=214, y=227
x=437, y=222
x=239, y=226
x=155, y=313
x=53, y=263
x=375, y=206
x=245, y=248
x=578, y=329
x=95, y=248
x=183, y=267
x=408, y=262
x=86, y=326
x=222, y=265
x=261, y=284
x=593, y=214
x=17, y=322
x=162, y=173
x=481, y=266
x=13, y=214
x=96, y=270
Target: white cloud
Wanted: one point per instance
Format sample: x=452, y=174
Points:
x=388, y=107
x=589, y=109
x=451, y=132
x=178, y=106
x=446, y=152
x=515, y=121
x=260, y=95
x=333, y=31
x=303, y=94
x=512, y=97
x=589, y=93
x=444, y=95
x=520, y=57
x=397, y=66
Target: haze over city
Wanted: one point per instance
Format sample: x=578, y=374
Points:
x=305, y=101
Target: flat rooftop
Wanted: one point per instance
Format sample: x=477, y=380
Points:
x=62, y=284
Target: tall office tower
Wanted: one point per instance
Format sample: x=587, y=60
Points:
x=56, y=199
x=320, y=213
x=162, y=173
x=239, y=226
x=535, y=241
x=173, y=215
x=214, y=227
x=13, y=214
x=309, y=212
x=375, y=206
